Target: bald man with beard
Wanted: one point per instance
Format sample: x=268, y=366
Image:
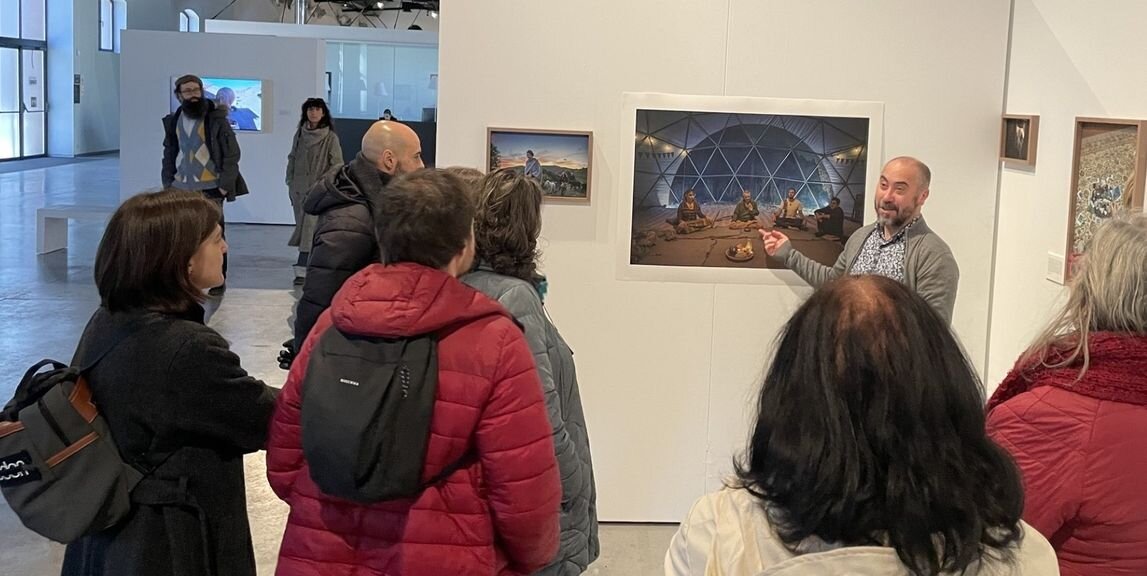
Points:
x=343, y=200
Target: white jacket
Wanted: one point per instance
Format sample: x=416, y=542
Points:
x=727, y=533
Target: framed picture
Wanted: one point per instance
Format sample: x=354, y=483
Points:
x=561, y=160
x=701, y=176
x=1107, y=174
x=243, y=97
x=1018, y=138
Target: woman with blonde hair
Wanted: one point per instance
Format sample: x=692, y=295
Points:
x=506, y=228
x=1073, y=411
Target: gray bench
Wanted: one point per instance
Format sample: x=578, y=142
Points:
x=52, y=224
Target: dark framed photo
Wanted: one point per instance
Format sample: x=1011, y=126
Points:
x=560, y=160
x=1107, y=175
x=1018, y=138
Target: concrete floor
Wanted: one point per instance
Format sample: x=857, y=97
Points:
x=46, y=300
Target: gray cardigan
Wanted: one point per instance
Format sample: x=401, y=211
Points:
x=554, y=359
x=929, y=267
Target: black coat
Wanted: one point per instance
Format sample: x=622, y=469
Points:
x=221, y=143
x=174, y=396
x=344, y=236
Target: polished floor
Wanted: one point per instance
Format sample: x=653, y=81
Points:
x=46, y=300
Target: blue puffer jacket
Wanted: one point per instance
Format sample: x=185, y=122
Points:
x=579, y=541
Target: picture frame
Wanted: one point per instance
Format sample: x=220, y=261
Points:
x=1019, y=136
x=562, y=160
x=1109, y=163
x=824, y=149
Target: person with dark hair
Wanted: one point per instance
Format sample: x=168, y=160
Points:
x=1073, y=411
x=343, y=200
x=506, y=228
x=790, y=213
x=316, y=151
x=238, y=118
x=533, y=168
x=388, y=115
x=494, y=514
x=830, y=220
x=200, y=151
x=690, y=217
x=176, y=399
x=868, y=455
x=900, y=245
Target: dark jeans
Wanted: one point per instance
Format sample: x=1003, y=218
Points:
x=215, y=196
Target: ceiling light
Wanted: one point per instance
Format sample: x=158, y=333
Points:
x=433, y=13
x=378, y=5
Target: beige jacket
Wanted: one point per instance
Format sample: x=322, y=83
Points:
x=728, y=534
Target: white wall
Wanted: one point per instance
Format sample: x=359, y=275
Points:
x=1068, y=59
x=669, y=371
x=292, y=71
x=96, y=121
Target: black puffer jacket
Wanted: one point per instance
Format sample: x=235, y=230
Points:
x=344, y=237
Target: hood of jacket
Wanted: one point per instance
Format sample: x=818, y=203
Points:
x=405, y=300
x=357, y=182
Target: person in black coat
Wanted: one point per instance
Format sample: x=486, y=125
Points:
x=344, y=236
x=177, y=401
x=199, y=123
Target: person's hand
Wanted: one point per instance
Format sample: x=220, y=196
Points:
x=773, y=241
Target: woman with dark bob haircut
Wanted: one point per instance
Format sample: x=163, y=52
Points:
x=507, y=223
x=869, y=456
x=179, y=405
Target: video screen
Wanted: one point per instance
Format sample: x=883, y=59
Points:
x=243, y=98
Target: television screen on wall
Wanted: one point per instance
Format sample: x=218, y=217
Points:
x=243, y=97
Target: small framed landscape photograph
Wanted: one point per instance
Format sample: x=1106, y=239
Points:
x=560, y=160
x=1018, y=139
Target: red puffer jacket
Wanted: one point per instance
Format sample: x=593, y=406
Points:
x=499, y=515
x=1082, y=448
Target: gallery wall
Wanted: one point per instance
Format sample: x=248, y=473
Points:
x=668, y=370
x=92, y=125
x=1068, y=59
x=291, y=69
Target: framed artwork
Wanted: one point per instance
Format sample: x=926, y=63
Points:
x=1107, y=175
x=1018, y=138
x=560, y=160
x=702, y=175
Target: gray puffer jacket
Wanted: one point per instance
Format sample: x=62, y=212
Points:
x=579, y=541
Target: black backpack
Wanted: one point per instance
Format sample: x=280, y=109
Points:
x=366, y=410
x=60, y=470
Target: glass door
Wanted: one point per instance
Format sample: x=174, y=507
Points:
x=32, y=70
x=10, y=145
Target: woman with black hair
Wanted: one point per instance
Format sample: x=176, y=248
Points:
x=869, y=456
x=316, y=151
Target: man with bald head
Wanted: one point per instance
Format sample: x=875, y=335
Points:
x=899, y=246
x=344, y=200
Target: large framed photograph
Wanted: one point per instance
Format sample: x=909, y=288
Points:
x=560, y=160
x=1107, y=175
x=701, y=176
x=1018, y=138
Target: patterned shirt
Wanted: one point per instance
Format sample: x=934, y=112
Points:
x=881, y=257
